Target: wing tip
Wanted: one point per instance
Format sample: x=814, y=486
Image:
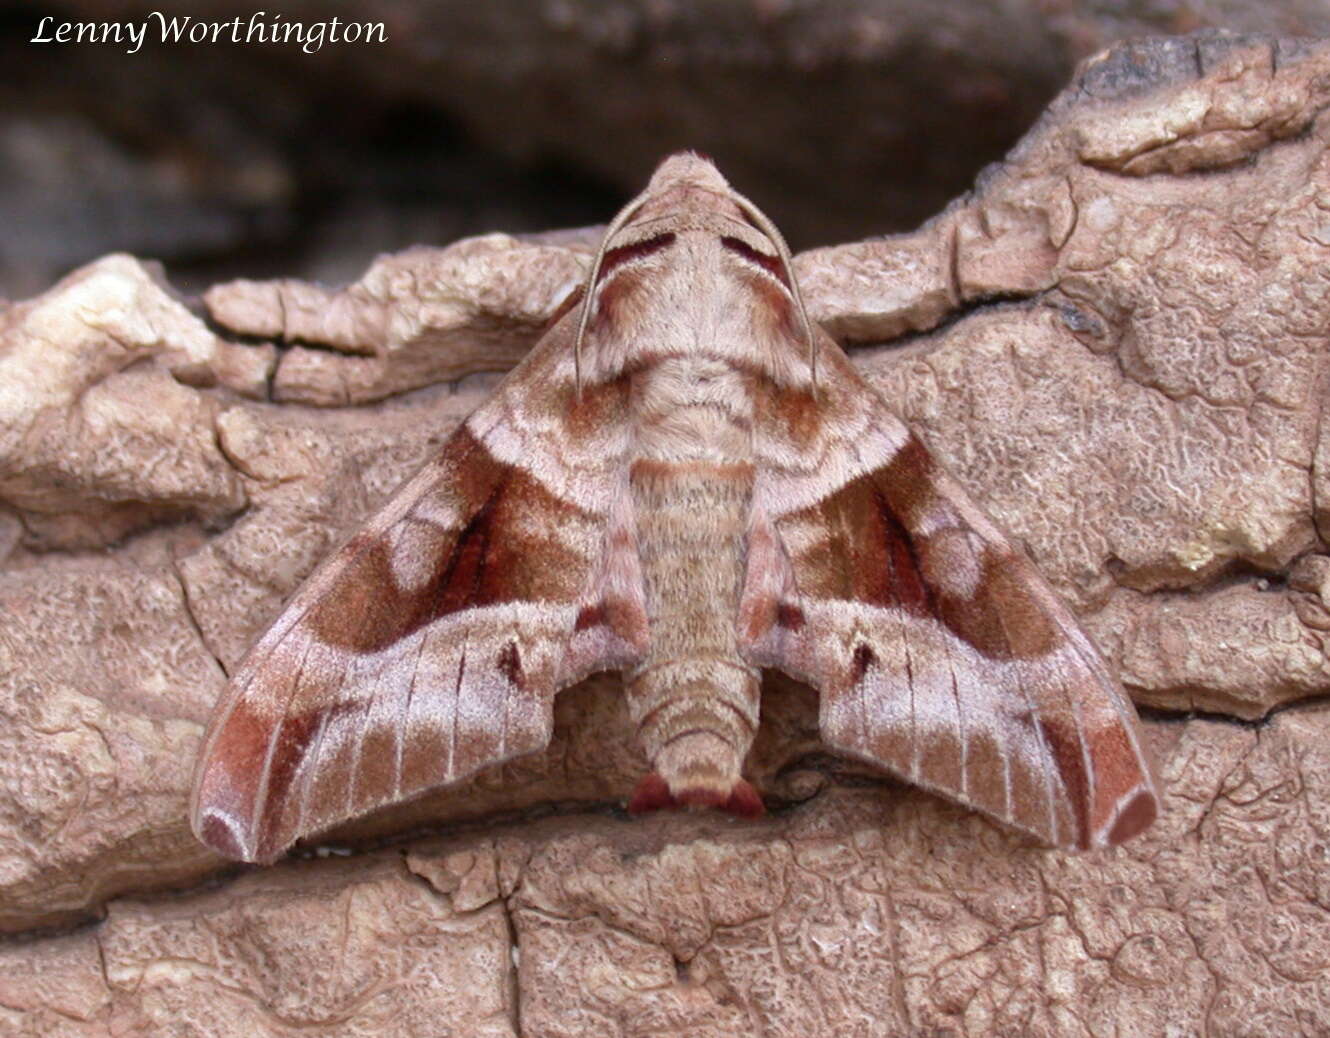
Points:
x=1136, y=811
x=222, y=821
x=222, y=833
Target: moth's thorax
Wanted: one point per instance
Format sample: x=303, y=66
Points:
x=693, y=407
x=702, y=285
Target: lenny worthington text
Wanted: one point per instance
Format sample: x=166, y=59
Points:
x=259, y=27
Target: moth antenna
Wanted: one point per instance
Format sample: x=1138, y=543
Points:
x=620, y=218
x=763, y=224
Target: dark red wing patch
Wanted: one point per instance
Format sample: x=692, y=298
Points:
x=870, y=522
x=467, y=569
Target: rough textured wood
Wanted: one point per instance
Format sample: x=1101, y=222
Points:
x=1142, y=407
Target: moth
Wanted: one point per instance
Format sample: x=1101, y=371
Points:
x=685, y=481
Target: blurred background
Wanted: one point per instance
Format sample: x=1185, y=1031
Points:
x=842, y=118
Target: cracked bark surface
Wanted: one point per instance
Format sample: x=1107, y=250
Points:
x=1117, y=341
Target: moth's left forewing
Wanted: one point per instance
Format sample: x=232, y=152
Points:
x=938, y=650
x=432, y=643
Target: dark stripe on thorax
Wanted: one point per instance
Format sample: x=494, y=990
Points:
x=633, y=250
x=771, y=264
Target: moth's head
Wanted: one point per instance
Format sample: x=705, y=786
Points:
x=688, y=192
x=686, y=171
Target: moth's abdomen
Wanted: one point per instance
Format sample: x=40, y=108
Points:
x=696, y=719
x=693, y=698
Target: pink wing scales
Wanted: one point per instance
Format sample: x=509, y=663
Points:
x=939, y=651
x=432, y=643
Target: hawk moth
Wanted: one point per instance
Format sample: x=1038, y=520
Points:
x=685, y=481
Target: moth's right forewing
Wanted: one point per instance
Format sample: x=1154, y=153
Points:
x=937, y=648
x=432, y=643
